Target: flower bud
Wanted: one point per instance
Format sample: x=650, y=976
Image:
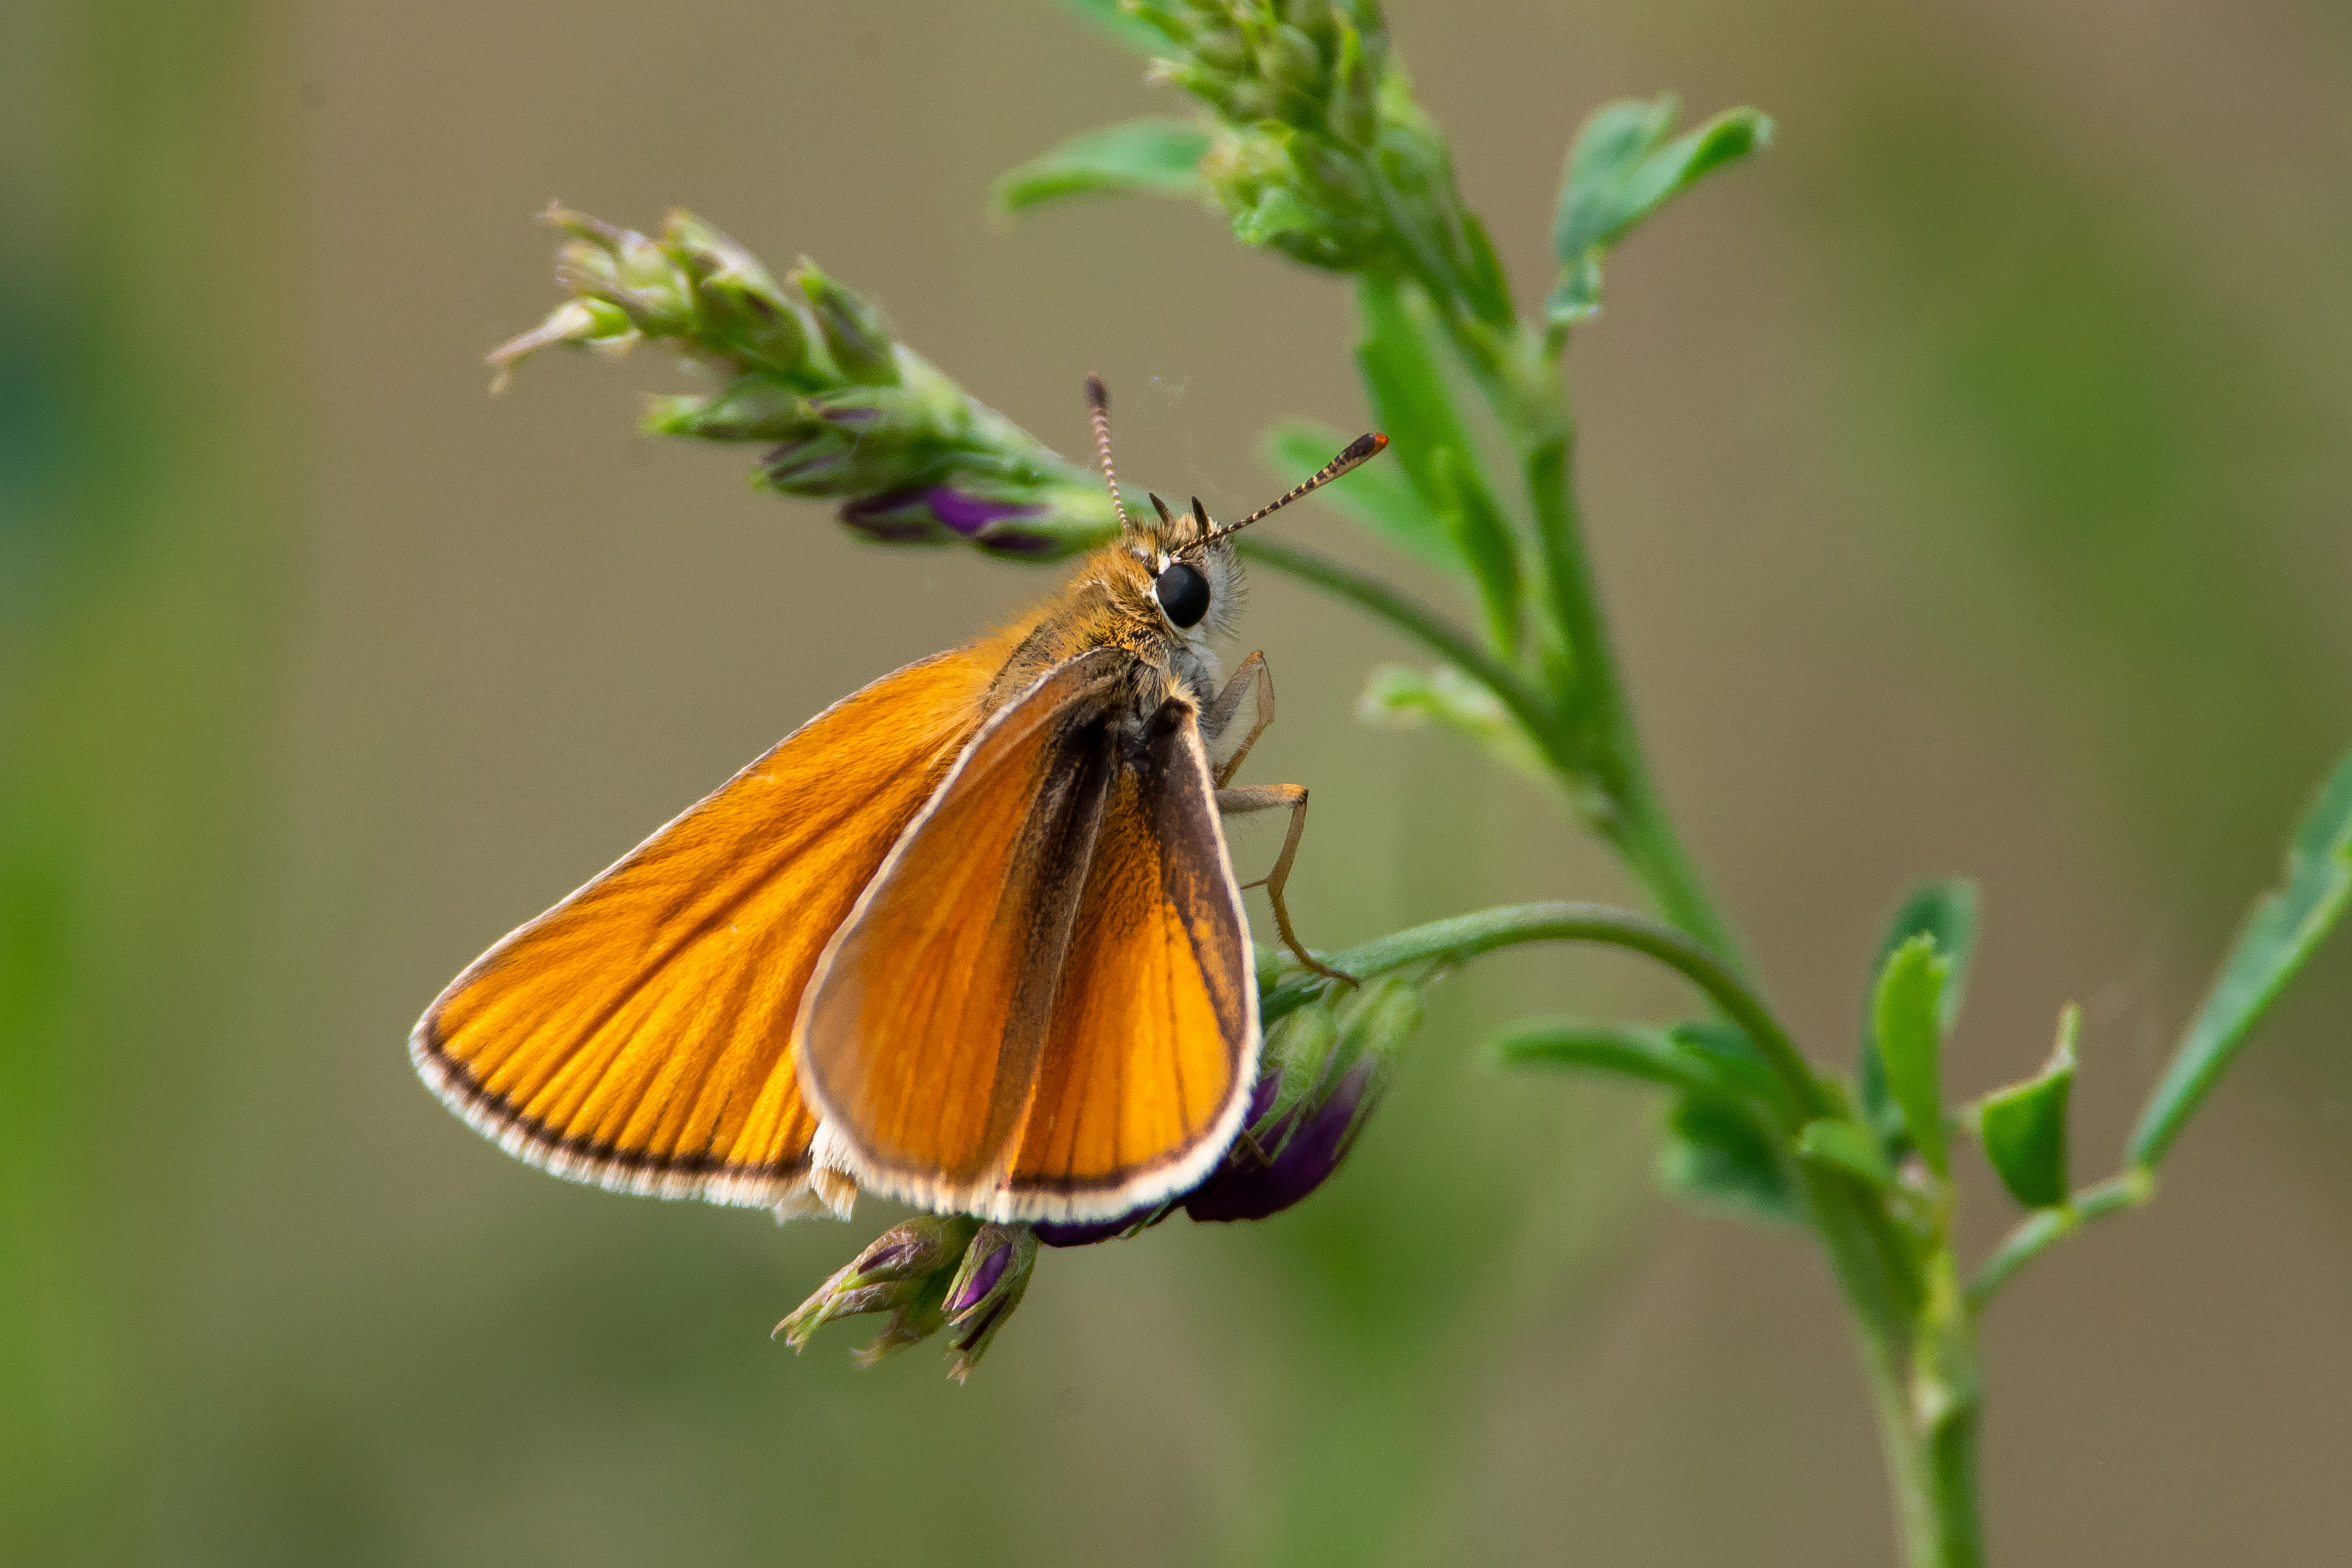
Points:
x=1326, y=1071
x=932, y=1272
x=1221, y=49
x=854, y=331
x=584, y=323
x=1292, y=64
x=743, y=310
x=934, y=514
x=994, y=1278
x=1353, y=114
x=1251, y=99
x=859, y=441
x=751, y=408
x=899, y=1270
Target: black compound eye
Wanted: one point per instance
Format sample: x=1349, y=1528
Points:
x=1184, y=593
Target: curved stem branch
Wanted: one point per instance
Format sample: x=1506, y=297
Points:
x=1465, y=936
x=2040, y=1230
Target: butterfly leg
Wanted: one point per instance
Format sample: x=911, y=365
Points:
x=1267, y=798
x=1252, y=671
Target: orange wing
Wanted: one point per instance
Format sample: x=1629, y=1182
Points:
x=635, y=1035
x=1043, y=1007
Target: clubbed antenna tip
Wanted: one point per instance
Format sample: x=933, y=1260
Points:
x=1362, y=450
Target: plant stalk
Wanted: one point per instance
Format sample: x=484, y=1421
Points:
x=1932, y=1473
x=1930, y=1442
x=1605, y=741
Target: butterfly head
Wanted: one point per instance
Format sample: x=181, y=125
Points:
x=1181, y=567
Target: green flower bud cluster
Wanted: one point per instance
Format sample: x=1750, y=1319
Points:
x=932, y=1272
x=809, y=370
x=1320, y=151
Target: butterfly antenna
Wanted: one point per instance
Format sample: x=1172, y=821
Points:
x=1360, y=451
x=1098, y=405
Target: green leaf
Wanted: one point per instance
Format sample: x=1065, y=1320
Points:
x=1410, y=398
x=1622, y=170
x=1122, y=25
x=1906, y=1010
x=1946, y=910
x=1378, y=498
x=2024, y=1126
x=1397, y=696
x=2279, y=936
x=1847, y=1146
x=1628, y=1050
x=1739, y=1065
x=1160, y=157
x=1716, y=1151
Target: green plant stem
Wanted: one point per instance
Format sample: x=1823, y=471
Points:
x=1931, y=1463
x=1608, y=745
x=1932, y=1473
x=1465, y=936
x=2039, y=1230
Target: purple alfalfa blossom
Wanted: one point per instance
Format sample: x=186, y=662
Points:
x=986, y=1289
x=1324, y=1070
x=1312, y=1139
x=982, y=1278
x=934, y=513
x=892, y=517
x=973, y=515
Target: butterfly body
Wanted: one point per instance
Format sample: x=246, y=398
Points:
x=969, y=938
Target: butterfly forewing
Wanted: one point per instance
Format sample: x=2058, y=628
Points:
x=1058, y=929
x=637, y=1035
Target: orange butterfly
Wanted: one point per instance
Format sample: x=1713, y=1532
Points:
x=968, y=938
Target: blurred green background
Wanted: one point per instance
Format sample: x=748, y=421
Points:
x=1970, y=478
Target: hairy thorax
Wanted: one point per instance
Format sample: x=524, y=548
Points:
x=1109, y=603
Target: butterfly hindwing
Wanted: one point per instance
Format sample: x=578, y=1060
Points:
x=1044, y=1008
x=1149, y=1063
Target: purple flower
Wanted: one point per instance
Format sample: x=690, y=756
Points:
x=894, y=517
x=971, y=515
x=1087, y=1232
x=1309, y=1142
x=1325, y=1069
x=989, y=1284
x=932, y=1272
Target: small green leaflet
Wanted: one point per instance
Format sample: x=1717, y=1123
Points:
x=1399, y=696
x=2279, y=937
x=1158, y=157
x=1847, y=1146
x=1717, y=1151
x=1622, y=170
x=2024, y=1126
x=1718, y=1148
x=1909, y=1026
x=1628, y=1050
x=1945, y=909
